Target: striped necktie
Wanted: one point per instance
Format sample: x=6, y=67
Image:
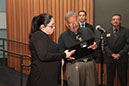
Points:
x=115, y=33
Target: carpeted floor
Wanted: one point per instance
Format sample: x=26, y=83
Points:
x=11, y=77
x=3, y=84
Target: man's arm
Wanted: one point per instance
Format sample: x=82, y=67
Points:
x=126, y=47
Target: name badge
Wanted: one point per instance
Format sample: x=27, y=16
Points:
x=108, y=35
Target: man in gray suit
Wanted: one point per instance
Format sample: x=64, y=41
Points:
x=117, y=47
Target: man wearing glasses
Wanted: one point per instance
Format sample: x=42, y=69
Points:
x=81, y=72
x=117, y=47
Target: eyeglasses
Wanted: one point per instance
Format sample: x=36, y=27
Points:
x=116, y=19
x=75, y=21
x=51, y=26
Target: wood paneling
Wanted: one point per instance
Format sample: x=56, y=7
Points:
x=21, y=12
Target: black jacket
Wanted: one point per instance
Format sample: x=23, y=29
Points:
x=120, y=45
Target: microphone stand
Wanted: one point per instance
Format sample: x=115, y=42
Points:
x=102, y=59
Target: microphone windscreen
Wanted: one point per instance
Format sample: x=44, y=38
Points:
x=98, y=26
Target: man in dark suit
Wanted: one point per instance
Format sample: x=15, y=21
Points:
x=116, y=48
x=82, y=16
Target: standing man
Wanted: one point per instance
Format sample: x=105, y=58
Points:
x=81, y=72
x=117, y=47
x=82, y=16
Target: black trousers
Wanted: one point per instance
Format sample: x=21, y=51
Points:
x=122, y=69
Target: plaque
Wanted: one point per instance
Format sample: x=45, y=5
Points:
x=82, y=48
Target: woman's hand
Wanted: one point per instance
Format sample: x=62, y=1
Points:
x=69, y=53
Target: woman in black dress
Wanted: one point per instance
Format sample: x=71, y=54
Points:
x=44, y=52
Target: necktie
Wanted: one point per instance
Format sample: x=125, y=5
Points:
x=116, y=30
x=115, y=33
x=78, y=37
x=83, y=25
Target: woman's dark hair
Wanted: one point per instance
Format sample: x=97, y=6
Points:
x=37, y=21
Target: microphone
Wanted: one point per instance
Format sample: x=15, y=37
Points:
x=98, y=27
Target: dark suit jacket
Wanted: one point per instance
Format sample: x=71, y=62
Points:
x=90, y=26
x=120, y=45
